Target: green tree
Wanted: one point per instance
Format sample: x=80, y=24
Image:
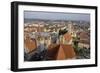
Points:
x=75, y=43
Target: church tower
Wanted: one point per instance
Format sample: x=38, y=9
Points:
x=70, y=27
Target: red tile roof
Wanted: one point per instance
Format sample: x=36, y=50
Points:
x=67, y=37
x=84, y=37
x=60, y=52
x=69, y=51
x=30, y=44
x=52, y=51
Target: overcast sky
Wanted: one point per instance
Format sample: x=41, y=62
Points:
x=56, y=16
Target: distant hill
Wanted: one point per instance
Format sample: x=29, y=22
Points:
x=45, y=20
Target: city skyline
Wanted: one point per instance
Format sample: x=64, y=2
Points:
x=48, y=36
